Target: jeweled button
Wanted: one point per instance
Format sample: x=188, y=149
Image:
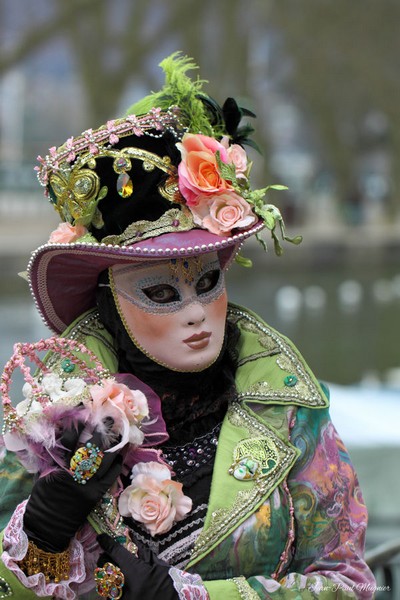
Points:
x=290, y=380
x=67, y=365
x=124, y=185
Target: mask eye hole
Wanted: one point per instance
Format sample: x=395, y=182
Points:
x=208, y=281
x=162, y=293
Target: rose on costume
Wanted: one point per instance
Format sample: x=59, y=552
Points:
x=153, y=498
x=198, y=170
x=222, y=213
x=67, y=233
x=127, y=408
x=133, y=403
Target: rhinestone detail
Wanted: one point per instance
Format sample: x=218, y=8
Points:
x=191, y=456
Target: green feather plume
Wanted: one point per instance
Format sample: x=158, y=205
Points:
x=179, y=90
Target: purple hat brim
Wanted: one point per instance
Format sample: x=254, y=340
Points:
x=63, y=277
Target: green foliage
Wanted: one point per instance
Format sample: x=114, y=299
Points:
x=242, y=261
x=269, y=213
x=178, y=90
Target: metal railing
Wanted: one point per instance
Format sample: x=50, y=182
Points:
x=384, y=561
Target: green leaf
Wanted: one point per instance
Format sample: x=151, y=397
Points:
x=97, y=219
x=277, y=186
x=277, y=246
x=242, y=261
x=267, y=217
x=227, y=170
x=256, y=197
x=88, y=238
x=296, y=240
x=261, y=241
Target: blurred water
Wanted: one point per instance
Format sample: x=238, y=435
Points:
x=345, y=324
x=344, y=320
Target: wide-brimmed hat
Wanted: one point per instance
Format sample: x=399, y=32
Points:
x=170, y=179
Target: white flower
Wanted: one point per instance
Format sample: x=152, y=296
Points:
x=63, y=392
x=74, y=386
x=33, y=407
x=52, y=385
x=27, y=390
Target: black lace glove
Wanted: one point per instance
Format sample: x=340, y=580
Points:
x=146, y=576
x=58, y=505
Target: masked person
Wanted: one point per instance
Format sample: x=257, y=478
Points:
x=184, y=447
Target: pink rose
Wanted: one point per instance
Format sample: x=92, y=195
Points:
x=198, y=171
x=126, y=407
x=238, y=156
x=222, y=213
x=132, y=403
x=67, y=233
x=153, y=498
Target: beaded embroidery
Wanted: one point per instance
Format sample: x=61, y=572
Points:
x=5, y=590
x=306, y=391
x=88, y=325
x=153, y=124
x=223, y=519
x=245, y=590
x=191, y=456
x=254, y=457
x=105, y=518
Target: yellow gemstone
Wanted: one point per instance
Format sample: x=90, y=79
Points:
x=124, y=185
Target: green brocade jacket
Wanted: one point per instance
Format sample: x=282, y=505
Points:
x=293, y=530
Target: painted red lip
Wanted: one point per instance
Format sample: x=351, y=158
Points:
x=198, y=337
x=198, y=341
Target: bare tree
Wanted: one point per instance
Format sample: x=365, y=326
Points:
x=346, y=57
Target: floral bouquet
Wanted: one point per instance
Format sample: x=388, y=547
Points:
x=55, y=401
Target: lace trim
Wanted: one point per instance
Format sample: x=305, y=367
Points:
x=187, y=585
x=15, y=544
x=179, y=553
x=176, y=547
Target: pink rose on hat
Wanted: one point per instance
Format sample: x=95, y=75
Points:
x=153, y=498
x=222, y=213
x=67, y=233
x=237, y=155
x=198, y=171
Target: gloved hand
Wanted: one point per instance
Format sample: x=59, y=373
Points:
x=146, y=576
x=58, y=505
